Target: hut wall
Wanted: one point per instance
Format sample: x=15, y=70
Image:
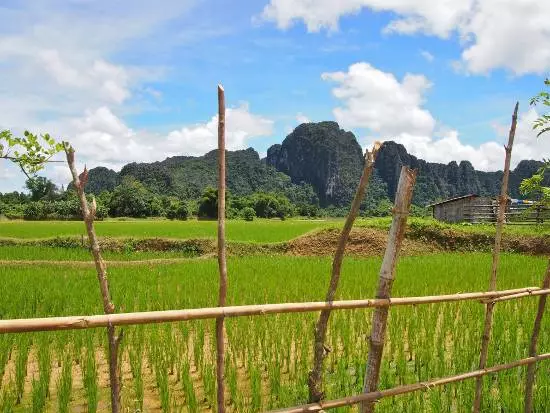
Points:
x=461, y=209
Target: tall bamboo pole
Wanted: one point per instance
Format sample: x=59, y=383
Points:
x=88, y=214
x=315, y=380
x=502, y=201
x=403, y=200
x=531, y=369
x=222, y=262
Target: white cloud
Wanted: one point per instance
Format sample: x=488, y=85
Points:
x=378, y=101
x=508, y=34
x=102, y=138
x=241, y=126
x=393, y=110
x=427, y=56
x=108, y=81
x=60, y=58
x=526, y=143
x=301, y=118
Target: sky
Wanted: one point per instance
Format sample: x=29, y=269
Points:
x=135, y=80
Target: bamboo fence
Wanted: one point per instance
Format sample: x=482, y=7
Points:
x=382, y=304
x=152, y=317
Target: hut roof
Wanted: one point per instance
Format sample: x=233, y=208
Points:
x=452, y=200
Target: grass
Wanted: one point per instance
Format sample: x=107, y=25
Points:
x=384, y=223
x=268, y=358
x=37, y=253
x=260, y=230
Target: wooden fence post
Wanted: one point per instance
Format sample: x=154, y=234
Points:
x=531, y=369
x=222, y=263
x=315, y=379
x=403, y=200
x=502, y=202
x=88, y=214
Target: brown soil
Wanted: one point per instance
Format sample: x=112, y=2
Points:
x=365, y=242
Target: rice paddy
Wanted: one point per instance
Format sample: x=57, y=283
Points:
x=260, y=230
x=171, y=367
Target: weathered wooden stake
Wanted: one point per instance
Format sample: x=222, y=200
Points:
x=403, y=200
x=531, y=369
x=502, y=202
x=315, y=380
x=88, y=214
x=222, y=263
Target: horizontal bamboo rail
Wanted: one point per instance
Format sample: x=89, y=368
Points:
x=409, y=388
x=151, y=317
x=518, y=295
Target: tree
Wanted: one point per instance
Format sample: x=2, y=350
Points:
x=268, y=205
x=130, y=199
x=249, y=214
x=41, y=188
x=29, y=152
x=208, y=205
x=535, y=186
x=177, y=209
x=543, y=122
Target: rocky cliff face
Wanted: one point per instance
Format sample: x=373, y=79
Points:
x=323, y=155
x=439, y=181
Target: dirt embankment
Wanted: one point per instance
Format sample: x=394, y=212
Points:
x=418, y=240
x=362, y=242
x=453, y=240
x=366, y=242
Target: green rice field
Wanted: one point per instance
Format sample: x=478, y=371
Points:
x=260, y=230
x=237, y=230
x=171, y=367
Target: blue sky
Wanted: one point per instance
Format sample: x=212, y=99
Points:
x=136, y=80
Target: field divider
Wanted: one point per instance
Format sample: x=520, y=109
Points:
x=409, y=388
x=152, y=317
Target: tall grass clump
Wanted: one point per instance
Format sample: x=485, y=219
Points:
x=89, y=377
x=65, y=384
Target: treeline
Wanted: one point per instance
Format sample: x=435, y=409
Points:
x=45, y=201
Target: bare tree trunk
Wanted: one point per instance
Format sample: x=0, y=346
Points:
x=222, y=263
x=502, y=201
x=315, y=381
x=88, y=214
x=403, y=200
x=531, y=369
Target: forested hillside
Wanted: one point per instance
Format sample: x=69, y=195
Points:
x=316, y=157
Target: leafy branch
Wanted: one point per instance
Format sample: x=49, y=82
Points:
x=543, y=122
x=30, y=152
x=534, y=186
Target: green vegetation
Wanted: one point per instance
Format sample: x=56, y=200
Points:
x=542, y=124
x=269, y=357
x=38, y=253
x=30, y=152
x=260, y=230
x=538, y=185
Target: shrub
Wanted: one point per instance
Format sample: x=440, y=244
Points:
x=249, y=214
x=208, y=206
x=177, y=210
